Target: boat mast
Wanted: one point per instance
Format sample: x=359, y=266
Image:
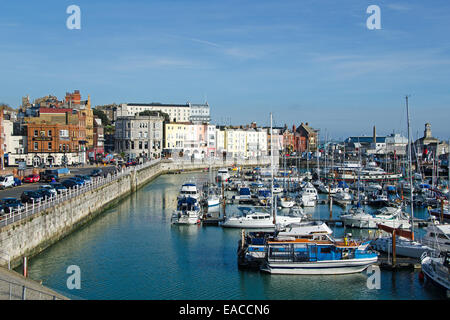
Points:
x=410, y=171
x=271, y=170
x=317, y=155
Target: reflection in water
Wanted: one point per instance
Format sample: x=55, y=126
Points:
x=132, y=252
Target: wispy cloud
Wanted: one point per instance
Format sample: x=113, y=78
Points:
x=398, y=7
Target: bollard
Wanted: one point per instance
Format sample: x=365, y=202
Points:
x=24, y=293
x=25, y=267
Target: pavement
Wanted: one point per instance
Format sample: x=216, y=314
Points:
x=12, y=283
x=16, y=192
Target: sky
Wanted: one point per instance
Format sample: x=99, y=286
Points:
x=309, y=61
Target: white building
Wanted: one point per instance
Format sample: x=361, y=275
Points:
x=196, y=113
x=15, y=145
x=241, y=142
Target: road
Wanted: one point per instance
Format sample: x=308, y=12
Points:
x=17, y=191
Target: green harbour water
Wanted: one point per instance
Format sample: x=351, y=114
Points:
x=131, y=251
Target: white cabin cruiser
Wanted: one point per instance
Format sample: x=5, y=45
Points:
x=188, y=211
x=389, y=216
x=189, y=189
x=251, y=219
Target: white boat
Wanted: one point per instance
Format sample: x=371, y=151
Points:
x=189, y=189
x=251, y=219
x=391, y=217
x=223, y=174
x=251, y=249
x=308, y=196
x=287, y=202
x=312, y=257
x=403, y=246
x=342, y=198
x=436, y=267
x=188, y=211
x=277, y=189
x=438, y=236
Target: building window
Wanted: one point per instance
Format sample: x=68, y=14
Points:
x=49, y=133
x=36, y=145
x=35, y=133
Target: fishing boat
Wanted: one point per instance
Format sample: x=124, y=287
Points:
x=188, y=211
x=317, y=257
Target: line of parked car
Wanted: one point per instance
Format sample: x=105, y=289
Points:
x=47, y=190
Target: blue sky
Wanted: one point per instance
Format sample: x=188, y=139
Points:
x=306, y=61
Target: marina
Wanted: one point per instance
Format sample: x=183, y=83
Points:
x=200, y=260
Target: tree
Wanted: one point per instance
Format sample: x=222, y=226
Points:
x=100, y=114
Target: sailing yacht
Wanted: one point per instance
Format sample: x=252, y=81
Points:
x=438, y=236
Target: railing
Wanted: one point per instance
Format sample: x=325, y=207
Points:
x=15, y=291
x=35, y=207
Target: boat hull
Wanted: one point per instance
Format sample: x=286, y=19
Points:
x=320, y=267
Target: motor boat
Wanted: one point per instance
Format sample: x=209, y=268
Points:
x=287, y=202
x=223, y=174
x=389, y=216
x=436, y=267
x=189, y=189
x=342, y=198
x=188, y=211
x=438, y=236
x=328, y=256
x=251, y=247
x=250, y=219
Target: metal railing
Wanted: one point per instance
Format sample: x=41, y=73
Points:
x=15, y=291
x=29, y=209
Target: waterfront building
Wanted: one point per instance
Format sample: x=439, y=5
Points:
x=97, y=150
x=429, y=147
x=15, y=143
x=306, y=138
x=196, y=113
x=2, y=141
x=139, y=136
x=248, y=141
x=190, y=139
x=57, y=136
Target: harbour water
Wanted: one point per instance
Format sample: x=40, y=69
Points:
x=131, y=251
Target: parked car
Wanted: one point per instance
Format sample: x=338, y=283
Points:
x=7, y=182
x=96, y=173
x=30, y=196
x=49, y=188
x=17, y=182
x=78, y=180
x=86, y=178
x=59, y=187
x=45, y=193
x=9, y=204
x=69, y=184
x=49, y=177
x=31, y=178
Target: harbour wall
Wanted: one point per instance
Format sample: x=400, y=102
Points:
x=31, y=235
